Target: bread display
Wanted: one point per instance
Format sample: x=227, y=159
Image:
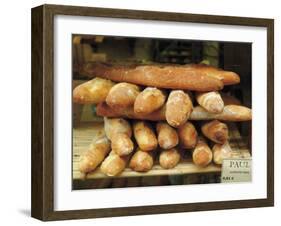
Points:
x=141, y=161
x=187, y=135
x=178, y=108
x=168, y=159
x=160, y=103
x=149, y=100
x=167, y=136
x=92, y=92
x=216, y=131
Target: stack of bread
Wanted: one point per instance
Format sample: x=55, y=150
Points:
x=149, y=112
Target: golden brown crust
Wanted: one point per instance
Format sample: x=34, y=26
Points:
x=168, y=159
x=95, y=154
x=215, y=131
x=178, y=108
x=167, y=136
x=211, y=101
x=145, y=136
x=92, y=92
x=116, y=125
x=187, y=135
x=149, y=100
x=164, y=76
x=141, y=161
x=220, y=152
x=122, y=95
x=122, y=144
x=234, y=113
x=202, y=154
x=113, y=164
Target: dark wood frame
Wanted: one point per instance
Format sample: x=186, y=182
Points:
x=42, y=203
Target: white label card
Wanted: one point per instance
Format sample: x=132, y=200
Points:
x=236, y=170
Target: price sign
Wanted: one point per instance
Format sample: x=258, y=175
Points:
x=236, y=170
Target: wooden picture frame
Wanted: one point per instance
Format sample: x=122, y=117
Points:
x=42, y=203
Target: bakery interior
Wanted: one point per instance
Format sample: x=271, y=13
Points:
x=87, y=124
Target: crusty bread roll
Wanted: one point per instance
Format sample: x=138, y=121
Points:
x=234, y=113
x=189, y=77
x=116, y=125
x=122, y=144
x=168, y=159
x=230, y=113
x=178, y=108
x=114, y=164
x=95, y=154
x=141, y=161
x=149, y=100
x=92, y=92
x=122, y=95
x=211, y=101
x=187, y=135
x=216, y=131
x=202, y=154
x=145, y=136
x=167, y=135
x=220, y=152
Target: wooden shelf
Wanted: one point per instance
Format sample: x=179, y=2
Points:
x=85, y=133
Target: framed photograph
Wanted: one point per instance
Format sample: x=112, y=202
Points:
x=141, y=112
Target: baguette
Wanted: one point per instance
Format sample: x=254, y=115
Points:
x=168, y=159
x=220, y=152
x=230, y=113
x=95, y=154
x=187, y=135
x=211, y=101
x=227, y=77
x=202, y=154
x=141, y=161
x=178, y=108
x=193, y=77
x=167, y=136
x=92, y=92
x=145, y=136
x=114, y=164
x=149, y=100
x=116, y=125
x=122, y=95
x=234, y=113
x=216, y=131
x=122, y=144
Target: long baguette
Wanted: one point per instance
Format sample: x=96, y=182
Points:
x=193, y=77
x=114, y=164
x=230, y=113
x=234, y=113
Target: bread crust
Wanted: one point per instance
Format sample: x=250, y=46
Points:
x=190, y=77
